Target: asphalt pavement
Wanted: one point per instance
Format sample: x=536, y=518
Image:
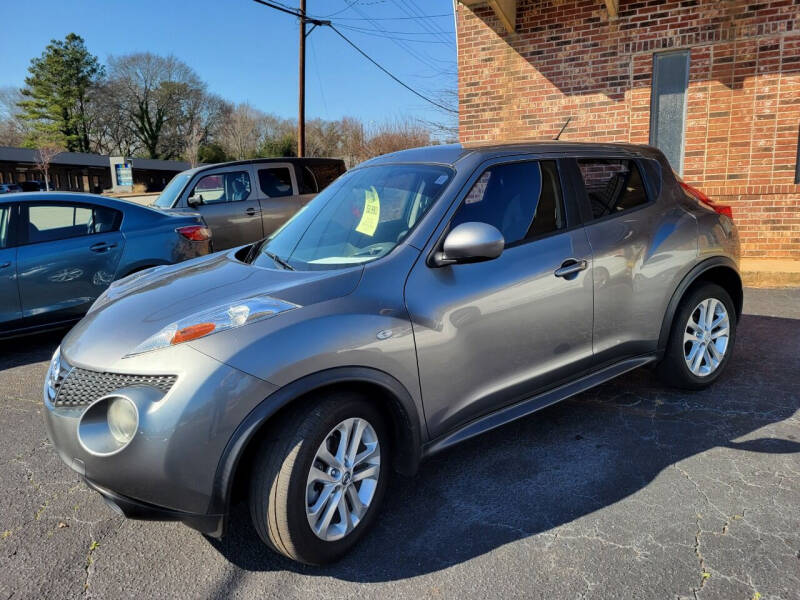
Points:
x=630, y=490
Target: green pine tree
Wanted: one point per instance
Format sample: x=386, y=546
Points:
x=57, y=94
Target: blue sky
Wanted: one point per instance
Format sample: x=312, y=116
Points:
x=248, y=53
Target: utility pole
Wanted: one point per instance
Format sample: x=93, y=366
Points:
x=301, y=85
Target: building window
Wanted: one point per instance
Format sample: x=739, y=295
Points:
x=668, y=105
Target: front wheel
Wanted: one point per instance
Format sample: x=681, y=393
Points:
x=319, y=478
x=701, y=339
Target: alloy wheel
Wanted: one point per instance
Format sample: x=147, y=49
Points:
x=705, y=338
x=343, y=478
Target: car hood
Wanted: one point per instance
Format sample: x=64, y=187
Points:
x=137, y=307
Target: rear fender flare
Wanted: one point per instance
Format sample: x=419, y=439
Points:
x=693, y=275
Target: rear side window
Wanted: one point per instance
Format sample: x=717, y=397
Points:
x=275, y=182
x=307, y=182
x=612, y=186
x=5, y=229
x=325, y=174
x=523, y=200
x=49, y=222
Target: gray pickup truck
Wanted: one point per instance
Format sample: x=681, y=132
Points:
x=244, y=201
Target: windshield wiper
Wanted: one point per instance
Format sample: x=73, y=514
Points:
x=279, y=260
x=253, y=252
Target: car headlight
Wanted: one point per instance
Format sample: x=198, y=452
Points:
x=53, y=374
x=122, y=419
x=220, y=318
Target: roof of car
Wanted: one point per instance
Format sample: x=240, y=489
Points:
x=254, y=161
x=119, y=203
x=450, y=154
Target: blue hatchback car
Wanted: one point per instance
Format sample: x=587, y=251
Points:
x=59, y=252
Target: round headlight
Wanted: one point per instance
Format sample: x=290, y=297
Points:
x=122, y=419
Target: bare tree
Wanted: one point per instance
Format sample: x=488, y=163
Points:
x=242, y=131
x=13, y=129
x=200, y=123
x=45, y=153
x=159, y=96
x=391, y=136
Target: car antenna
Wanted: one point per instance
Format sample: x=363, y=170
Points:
x=569, y=118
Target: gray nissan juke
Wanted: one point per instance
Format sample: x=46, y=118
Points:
x=423, y=298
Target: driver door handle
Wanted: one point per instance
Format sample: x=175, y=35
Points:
x=250, y=211
x=4, y=265
x=102, y=247
x=570, y=267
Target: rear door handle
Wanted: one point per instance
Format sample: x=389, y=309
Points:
x=4, y=265
x=570, y=267
x=102, y=247
x=250, y=211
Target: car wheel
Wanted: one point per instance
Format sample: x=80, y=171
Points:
x=319, y=478
x=701, y=339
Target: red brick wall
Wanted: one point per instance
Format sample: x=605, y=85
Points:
x=567, y=58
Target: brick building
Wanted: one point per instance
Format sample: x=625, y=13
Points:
x=714, y=84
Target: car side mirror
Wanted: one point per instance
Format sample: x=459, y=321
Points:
x=470, y=242
x=194, y=201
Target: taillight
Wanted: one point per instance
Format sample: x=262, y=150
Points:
x=722, y=209
x=196, y=233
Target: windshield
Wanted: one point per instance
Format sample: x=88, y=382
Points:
x=172, y=191
x=362, y=216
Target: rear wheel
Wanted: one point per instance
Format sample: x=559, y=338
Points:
x=319, y=479
x=701, y=339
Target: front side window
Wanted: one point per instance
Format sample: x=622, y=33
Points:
x=612, y=186
x=275, y=182
x=364, y=215
x=523, y=200
x=49, y=222
x=233, y=186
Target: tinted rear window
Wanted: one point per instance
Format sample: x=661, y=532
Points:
x=612, y=185
x=325, y=174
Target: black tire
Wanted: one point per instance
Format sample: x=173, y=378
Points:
x=279, y=477
x=673, y=369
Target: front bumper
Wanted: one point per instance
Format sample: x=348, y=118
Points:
x=167, y=471
x=135, y=509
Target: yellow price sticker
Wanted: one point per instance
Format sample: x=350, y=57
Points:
x=372, y=213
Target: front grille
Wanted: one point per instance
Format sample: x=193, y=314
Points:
x=81, y=386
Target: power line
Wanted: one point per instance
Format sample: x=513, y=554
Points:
x=350, y=4
x=418, y=54
x=408, y=87
x=356, y=28
x=412, y=10
x=395, y=18
x=319, y=22
x=392, y=37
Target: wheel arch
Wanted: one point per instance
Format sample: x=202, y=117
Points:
x=141, y=266
x=390, y=395
x=720, y=270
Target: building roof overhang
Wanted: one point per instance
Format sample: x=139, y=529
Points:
x=506, y=10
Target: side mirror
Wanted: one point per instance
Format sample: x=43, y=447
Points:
x=470, y=242
x=194, y=200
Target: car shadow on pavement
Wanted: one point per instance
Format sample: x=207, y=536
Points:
x=25, y=350
x=561, y=464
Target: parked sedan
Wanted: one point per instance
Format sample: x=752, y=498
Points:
x=10, y=188
x=59, y=252
x=246, y=200
x=425, y=297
